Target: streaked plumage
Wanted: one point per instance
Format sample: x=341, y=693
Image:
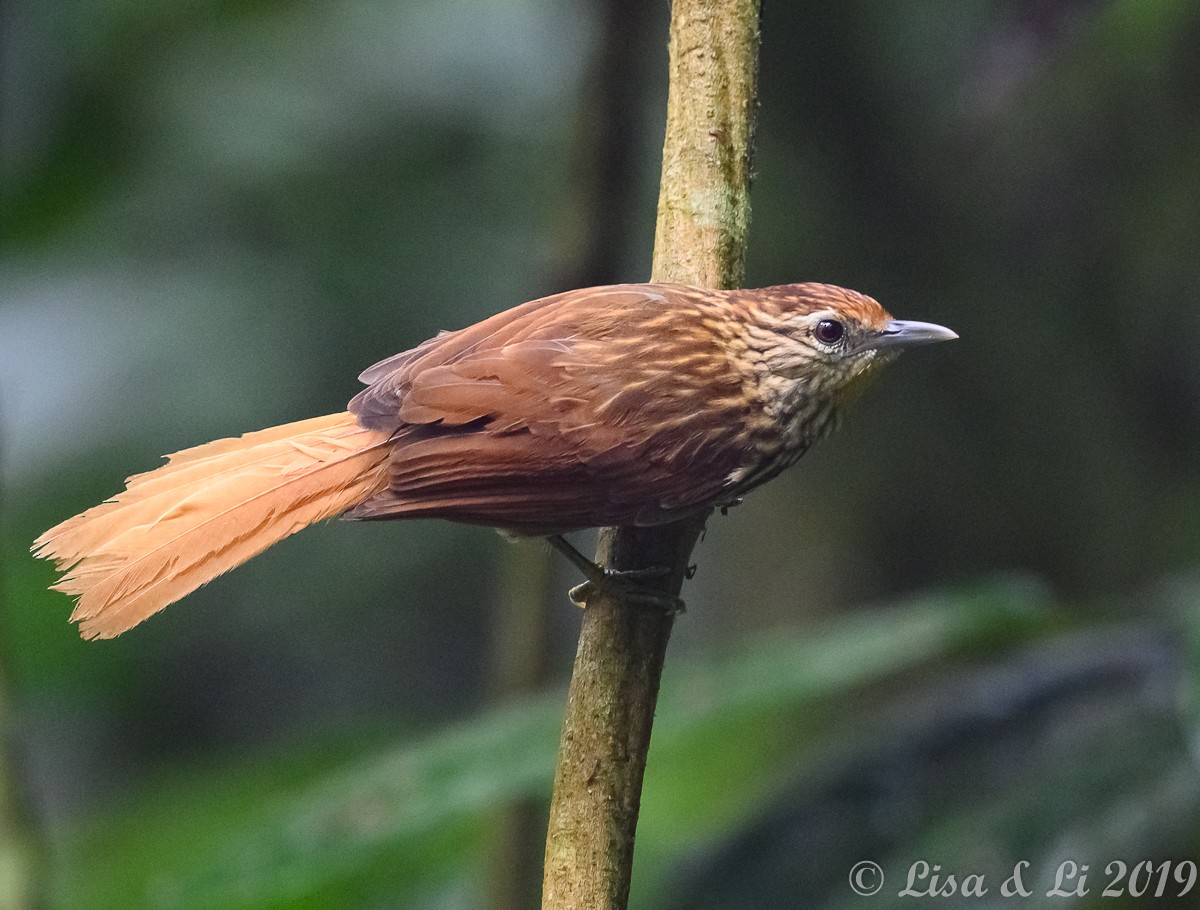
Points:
x=631, y=404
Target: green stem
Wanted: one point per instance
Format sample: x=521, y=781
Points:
x=703, y=215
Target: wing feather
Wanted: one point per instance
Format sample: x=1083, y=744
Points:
x=512, y=423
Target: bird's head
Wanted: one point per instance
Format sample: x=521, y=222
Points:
x=815, y=346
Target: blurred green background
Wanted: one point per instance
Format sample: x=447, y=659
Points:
x=964, y=630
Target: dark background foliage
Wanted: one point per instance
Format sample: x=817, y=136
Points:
x=962, y=630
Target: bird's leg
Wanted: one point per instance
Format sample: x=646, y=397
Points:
x=625, y=582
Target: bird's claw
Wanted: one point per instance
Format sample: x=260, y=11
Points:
x=627, y=586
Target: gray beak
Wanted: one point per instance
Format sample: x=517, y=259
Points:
x=903, y=333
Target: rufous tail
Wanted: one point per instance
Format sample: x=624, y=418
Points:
x=206, y=511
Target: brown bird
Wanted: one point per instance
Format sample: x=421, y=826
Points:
x=633, y=404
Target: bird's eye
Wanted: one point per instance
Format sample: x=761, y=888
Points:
x=829, y=331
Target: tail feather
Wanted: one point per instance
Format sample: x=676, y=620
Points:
x=209, y=509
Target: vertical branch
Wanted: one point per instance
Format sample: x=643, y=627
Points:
x=599, y=198
x=704, y=196
x=703, y=214
x=22, y=860
x=19, y=858
x=520, y=665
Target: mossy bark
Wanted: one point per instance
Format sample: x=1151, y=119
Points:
x=703, y=216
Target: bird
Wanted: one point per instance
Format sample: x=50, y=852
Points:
x=630, y=404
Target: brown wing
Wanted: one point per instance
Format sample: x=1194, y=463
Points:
x=558, y=414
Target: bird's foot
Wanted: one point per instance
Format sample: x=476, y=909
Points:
x=626, y=585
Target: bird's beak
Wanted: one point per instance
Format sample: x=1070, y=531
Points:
x=903, y=333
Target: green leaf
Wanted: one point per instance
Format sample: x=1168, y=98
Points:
x=414, y=818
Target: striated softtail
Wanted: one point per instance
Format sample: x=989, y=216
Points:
x=207, y=510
